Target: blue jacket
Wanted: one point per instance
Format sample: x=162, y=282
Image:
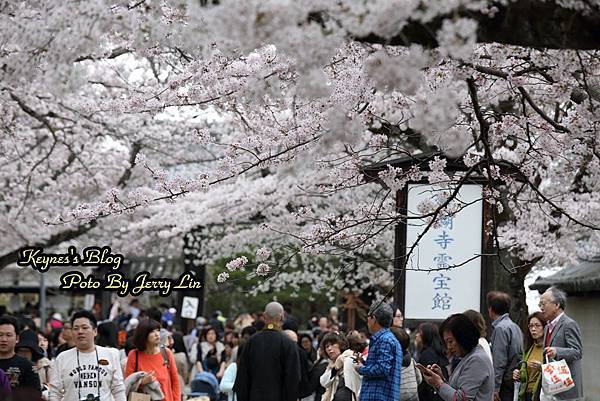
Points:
x=381, y=372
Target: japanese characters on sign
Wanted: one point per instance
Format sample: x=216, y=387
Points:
x=443, y=276
x=441, y=299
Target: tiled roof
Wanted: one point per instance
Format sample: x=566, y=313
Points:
x=581, y=278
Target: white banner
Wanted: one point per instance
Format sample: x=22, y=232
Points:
x=431, y=292
x=189, y=309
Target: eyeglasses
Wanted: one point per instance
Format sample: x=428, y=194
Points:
x=535, y=325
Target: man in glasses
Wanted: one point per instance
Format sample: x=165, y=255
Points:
x=381, y=371
x=562, y=339
x=87, y=372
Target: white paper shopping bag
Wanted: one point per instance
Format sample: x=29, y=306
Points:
x=556, y=377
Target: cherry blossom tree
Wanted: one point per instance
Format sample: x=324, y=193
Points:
x=132, y=123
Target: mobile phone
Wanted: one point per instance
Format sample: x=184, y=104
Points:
x=423, y=369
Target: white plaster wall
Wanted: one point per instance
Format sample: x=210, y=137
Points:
x=586, y=311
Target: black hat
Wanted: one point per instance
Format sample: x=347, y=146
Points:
x=28, y=339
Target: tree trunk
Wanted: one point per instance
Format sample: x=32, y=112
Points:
x=499, y=279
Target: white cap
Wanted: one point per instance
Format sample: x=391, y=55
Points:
x=57, y=316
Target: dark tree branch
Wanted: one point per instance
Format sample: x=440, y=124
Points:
x=549, y=120
x=56, y=239
x=484, y=128
x=67, y=235
x=119, y=51
x=527, y=23
x=545, y=198
x=135, y=150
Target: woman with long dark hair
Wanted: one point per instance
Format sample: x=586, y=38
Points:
x=44, y=365
x=431, y=352
x=529, y=372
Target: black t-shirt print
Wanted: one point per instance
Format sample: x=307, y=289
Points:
x=20, y=373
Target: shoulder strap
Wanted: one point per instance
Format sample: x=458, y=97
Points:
x=163, y=351
x=166, y=361
x=136, y=360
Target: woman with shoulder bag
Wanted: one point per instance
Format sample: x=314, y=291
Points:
x=530, y=369
x=158, y=362
x=411, y=376
x=337, y=380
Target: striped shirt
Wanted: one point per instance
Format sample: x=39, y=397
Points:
x=411, y=378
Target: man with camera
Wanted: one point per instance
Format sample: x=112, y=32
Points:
x=87, y=372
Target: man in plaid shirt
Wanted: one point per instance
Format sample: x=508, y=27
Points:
x=381, y=372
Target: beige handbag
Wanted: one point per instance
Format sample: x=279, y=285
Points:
x=137, y=396
x=134, y=396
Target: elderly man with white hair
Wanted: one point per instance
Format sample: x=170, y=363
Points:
x=562, y=339
x=269, y=368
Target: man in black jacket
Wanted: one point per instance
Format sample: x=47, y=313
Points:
x=269, y=368
x=19, y=370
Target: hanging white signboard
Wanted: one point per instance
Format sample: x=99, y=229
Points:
x=189, y=309
x=431, y=290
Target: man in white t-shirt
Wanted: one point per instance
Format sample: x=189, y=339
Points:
x=87, y=372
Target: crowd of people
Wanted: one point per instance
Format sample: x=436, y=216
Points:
x=267, y=357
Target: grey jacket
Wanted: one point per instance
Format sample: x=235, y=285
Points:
x=506, y=342
x=472, y=379
x=133, y=381
x=566, y=338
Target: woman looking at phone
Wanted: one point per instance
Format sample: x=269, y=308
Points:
x=529, y=373
x=431, y=352
x=473, y=377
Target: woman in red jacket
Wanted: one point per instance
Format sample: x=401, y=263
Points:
x=157, y=362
